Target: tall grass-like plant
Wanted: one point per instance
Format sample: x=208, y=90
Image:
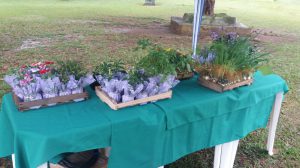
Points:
x=239, y=52
x=230, y=58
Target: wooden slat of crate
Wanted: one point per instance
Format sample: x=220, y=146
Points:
x=219, y=88
x=115, y=106
x=22, y=106
x=182, y=76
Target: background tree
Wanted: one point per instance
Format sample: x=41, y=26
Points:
x=209, y=7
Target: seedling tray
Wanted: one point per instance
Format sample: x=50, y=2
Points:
x=220, y=88
x=115, y=106
x=25, y=106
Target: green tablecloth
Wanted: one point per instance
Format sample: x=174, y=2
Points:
x=142, y=136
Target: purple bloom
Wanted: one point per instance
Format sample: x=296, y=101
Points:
x=202, y=60
x=231, y=36
x=214, y=36
x=210, y=57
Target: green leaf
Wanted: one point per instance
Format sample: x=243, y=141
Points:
x=188, y=66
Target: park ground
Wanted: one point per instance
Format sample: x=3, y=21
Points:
x=98, y=30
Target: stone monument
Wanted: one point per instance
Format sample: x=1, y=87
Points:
x=215, y=23
x=211, y=22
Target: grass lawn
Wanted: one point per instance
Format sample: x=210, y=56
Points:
x=97, y=30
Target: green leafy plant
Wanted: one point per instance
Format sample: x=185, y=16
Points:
x=136, y=76
x=108, y=69
x=70, y=67
x=157, y=62
x=182, y=63
x=143, y=44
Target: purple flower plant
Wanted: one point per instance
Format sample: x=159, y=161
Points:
x=214, y=36
x=229, y=37
x=205, y=58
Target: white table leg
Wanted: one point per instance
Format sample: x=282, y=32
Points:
x=217, y=157
x=273, y=122
x=107, y=151
x=45, y=165
x=13, y=159
x=233, y=154
x=225, y=154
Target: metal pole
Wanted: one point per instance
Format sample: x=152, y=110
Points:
x=197, y=23
x=194, y=22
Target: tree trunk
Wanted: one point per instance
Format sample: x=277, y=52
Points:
x=209, y=7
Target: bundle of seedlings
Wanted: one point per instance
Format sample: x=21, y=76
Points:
x=47, y=80
x=150, y=76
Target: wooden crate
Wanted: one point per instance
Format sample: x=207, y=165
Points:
x=183, y=76
x=23, y=106
x=115, y=106
x=219, y=88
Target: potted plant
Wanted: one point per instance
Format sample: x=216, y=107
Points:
x=31, y=84
x=25, y=81
x=74, y=77
x=183, y=63
x=152, y=75
x=228, y=62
